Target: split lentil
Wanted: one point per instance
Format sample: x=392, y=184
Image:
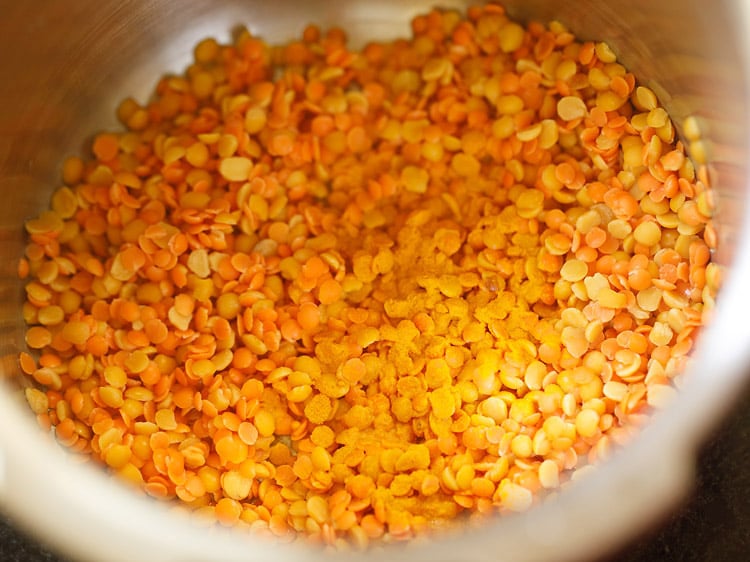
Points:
x=350, y=295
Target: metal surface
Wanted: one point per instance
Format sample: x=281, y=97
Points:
x=66, y=64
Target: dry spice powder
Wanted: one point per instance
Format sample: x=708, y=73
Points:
x=349, y=295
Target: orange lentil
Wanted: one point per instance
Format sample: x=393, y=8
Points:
x=595, y=237
x=27, y=362
x=255, y=300
x=106, y=146
x=308, y=316
x=228, y=511
x=565, y=173
x=23, y=268
x=329, y=291
x=353, y=370
x=38, y=337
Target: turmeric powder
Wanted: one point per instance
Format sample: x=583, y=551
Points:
x=349, y=295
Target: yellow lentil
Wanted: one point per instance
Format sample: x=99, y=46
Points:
x=235, y=168
x=351, y=294
x=415, y=179
x=514, y=497
x=570, y=108
x=647, y=233
x=549, y=474
x=574, y=270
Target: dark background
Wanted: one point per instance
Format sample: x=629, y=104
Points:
x=713, y=524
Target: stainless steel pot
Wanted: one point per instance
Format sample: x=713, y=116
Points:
x=65, y=64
